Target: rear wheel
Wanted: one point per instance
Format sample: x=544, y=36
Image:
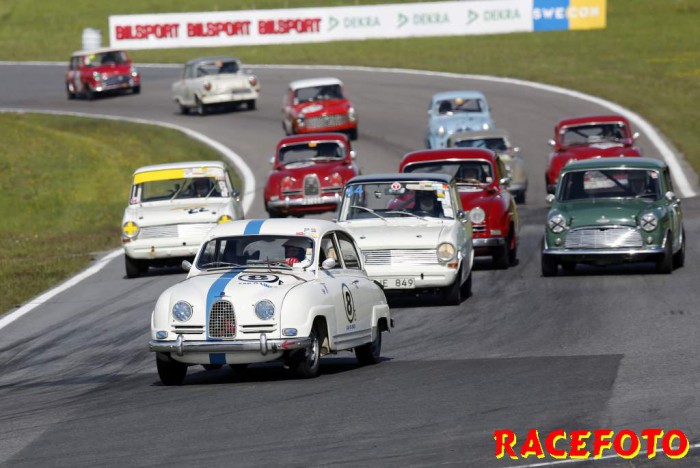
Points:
x=549, y=266
x=170, y=371
x=134, y=267
x=369, y=353
x=664, y=265
x=679, y=257
x=305, y=363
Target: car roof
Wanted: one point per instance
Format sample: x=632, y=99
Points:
x=101, y=50
x=458, y=94
x=475, y=135
x=401, y=177
x=309, y=82
x=306, y=137
x=592, y=119
x=609, y=163
x=221, y=58
x=180, y=165
x=308, y=227
x=447, y=154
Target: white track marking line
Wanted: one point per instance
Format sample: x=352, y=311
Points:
x=238, y=162
x=588, y=460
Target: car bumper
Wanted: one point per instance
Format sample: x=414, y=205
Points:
x=333, y=128
x=228, y=97
x=583, y=255
x=163, y=248
x=424, y=276
x=305, y=203
x=484, y=245
x=181, y=347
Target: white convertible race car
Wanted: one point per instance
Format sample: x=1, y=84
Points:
x=264, y=290
x=412, y=230
x=171, y=208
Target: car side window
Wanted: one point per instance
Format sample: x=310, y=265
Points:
x=329, y=249
x=669, y=181
x=351, y=258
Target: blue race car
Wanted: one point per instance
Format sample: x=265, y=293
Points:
x=456, y=111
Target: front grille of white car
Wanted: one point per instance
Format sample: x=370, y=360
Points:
x=603, y=238
x=222, y=320
x=175, y=230
x=326, y=121
x=401, y=257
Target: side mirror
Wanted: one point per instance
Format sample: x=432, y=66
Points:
x=296, y=101
x=551, y=142
x=505, y=181
x=353, y=154
x=549, y=198
x=187, y=266
x=635, y=135
x=670, y=196
x=328, y=264
x=461, y=214
x=236, y=195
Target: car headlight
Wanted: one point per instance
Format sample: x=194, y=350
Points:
x=648, y=222
x=253, y=80
x=96, y=76
x=224, y=219
x=351, y=114
x=441, y=131
x=557, y=223
x=182, y=311
x=486, y=126
x=477, y=215
x=130, y=229
x=134, y=72
x=300, y=121
x=265, y=310
x=445, y=252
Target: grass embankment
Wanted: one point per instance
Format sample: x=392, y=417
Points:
x=648, y=58
x=64, y=183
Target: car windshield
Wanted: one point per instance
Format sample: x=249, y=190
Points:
x=494, y=144
x=464, y=172
x=310, y=151
x=387, y=199
x=319, y=93
x=610, y=183
x=217, y=68
x=106, y=58
x=457, y=105
x=593, y=133
x=177, y=189
x=251, y=251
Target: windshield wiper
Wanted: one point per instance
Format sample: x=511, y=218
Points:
x=369, y=210
x=407, y=213
x=215, y=265
x=268, y=264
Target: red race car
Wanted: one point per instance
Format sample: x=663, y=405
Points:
x=318, y=105
x=94, y=72
x=483, y=189
x=597, y=136
x=308, y=174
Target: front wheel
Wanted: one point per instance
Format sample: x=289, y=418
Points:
x=664, y=265
x=250, y=104
x=89, y=93
x=353, y=134
x=453, y=293
x=369, y=353
x=549, y=266
x=170, y=371
x=305, y=363
x=134, y=267
x=679, y=257
x=136, y=89
x=69, y=92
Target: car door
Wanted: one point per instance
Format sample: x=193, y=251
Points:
x=674, y=209
x=287, y=101
x=358, y=298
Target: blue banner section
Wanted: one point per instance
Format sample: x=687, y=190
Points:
x=550, y=15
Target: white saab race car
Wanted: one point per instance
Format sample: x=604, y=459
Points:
x=171, y=208
x=412, y=231
x=264, y=290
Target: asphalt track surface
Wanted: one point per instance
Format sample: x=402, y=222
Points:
x=608, y=347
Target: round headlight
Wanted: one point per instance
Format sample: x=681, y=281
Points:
x=130, y=229
x=445, y=252
x=485, y=126
x=224, y=219
x=649, y=222
x=351, y=114
x=441, y=130
x=557, y=223
x=477, y=215
x=182, y=311
x=265, y=310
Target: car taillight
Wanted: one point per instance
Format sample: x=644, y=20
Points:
x=287, y=184
x=207, y=86
x=252, y=80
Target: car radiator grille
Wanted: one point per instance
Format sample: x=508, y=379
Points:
x=312, y=186
x=603, y=238
x=478, y=228
x=401, y=257
x=326, y=121
x=222, y=320
x=175, y=230
x=115, y=80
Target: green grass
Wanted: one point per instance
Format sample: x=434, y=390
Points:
x=64, y=184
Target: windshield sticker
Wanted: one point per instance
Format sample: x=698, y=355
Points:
x=311, y=232
x=396, y=186
x=654, y=175
x=422, y=185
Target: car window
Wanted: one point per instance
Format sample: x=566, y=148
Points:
x=610, y=183
x=468, y=171
x=309, y=151
x=593, y=133
x=457, y=106
x=329, y=250
x=351, y=258
x=251, y=250
x=669, y=180
x=176, y=189
x=494, y=144
x=319, y=93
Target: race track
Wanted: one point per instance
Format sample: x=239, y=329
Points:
x=601, y=348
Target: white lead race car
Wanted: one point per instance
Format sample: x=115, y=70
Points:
x=264, y=290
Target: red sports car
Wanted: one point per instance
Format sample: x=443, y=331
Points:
x=597, y=136
x=318, y=105
x=483, y=189
x=94, y=72
x=308, y=174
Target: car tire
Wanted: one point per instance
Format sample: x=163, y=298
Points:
x=250, y=105
x=238, y=367
x=500, y=256
x=568, y=267
x=135, y=267
x=550, y=266
x=305, y=363
x=369, y=353
x=453, y=293
x=664, y=265
x=184, y=110
x=512, y=247
x=276, y=214
x=353, y=134
x=170, y=371
x=71, y=94
x=211, y=366
x=467, y=287
x=200, y=106
x=520, y=198
x=136, y=89
x=679, y=257
x=89, y=93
